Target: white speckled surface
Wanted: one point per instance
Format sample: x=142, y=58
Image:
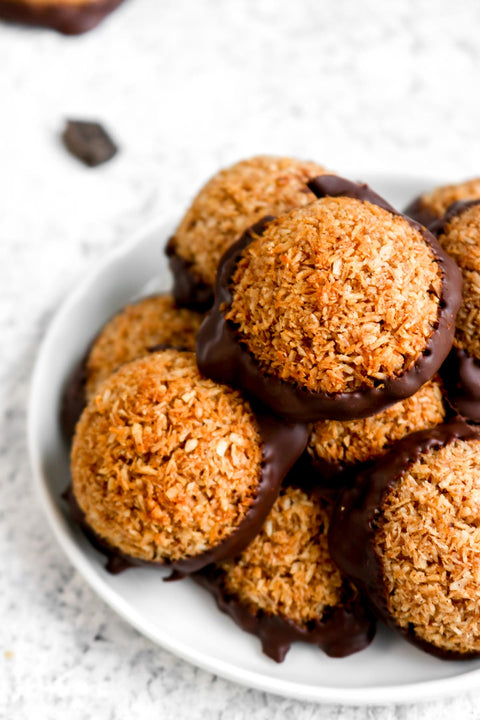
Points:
x=185, y=87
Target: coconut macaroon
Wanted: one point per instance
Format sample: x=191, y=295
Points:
x=139, y=328
x=225, y=207
x=335, y=447
x=170, y=468
x=284, y=586
x=331, y=311
x=459, y=235
x=408, y=533
x=136, y=330
x=70, y=17
x=431, y=206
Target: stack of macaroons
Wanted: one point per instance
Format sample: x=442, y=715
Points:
x=311, y=432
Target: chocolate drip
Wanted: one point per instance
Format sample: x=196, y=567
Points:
x=283, y=443
x=341, y=631
x=189, y=290
x=222, y=357
x=66, y=19
x=355, y=520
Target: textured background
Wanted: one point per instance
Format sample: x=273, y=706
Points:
x=185, y=87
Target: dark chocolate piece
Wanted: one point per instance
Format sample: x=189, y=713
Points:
x=354, y=523
x=343, y=630
x=221, y=357
x=283, y=443
x=89, y=142
x=66, y=19
x=188, y=290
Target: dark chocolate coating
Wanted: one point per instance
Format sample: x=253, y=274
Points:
x=461, y=376
x=221, y=356
x=323, y=478
x=74, y=398
x=66, y=19
x=460, y=372
x=343, y=630
x=188, y=290
x=336, y=186
x=358, y=510
x=421, y=213
x=283, y=443
x=89, y=142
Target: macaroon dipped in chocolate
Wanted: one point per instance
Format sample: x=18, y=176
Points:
x=332, y=311
x=235, y=198
x=284, y=586
x=408, y=534
x=70, y=17
x=338, y=451
x=151, y=323
x=169, y=468
x=431, y=206
x=459, y=234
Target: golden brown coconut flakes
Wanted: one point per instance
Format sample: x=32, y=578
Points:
x=165, y=463
x=287, y=569
x=236, y=198
x=133, y=331
x=356, y=441
x=336, y=296
x=429, y=545
x=461, y=239
x=439, y=200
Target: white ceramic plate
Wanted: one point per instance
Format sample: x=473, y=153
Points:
x=180, y=616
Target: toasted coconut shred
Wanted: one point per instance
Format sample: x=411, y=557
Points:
x=236, y=198
x=461, y=240
x=428, y=541
x=337, y=296
x=439, y=200
x=165, y=463
x=287, y=570
x=134, y=331
x=356, y=441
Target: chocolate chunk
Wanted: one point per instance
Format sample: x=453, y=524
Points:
x=69, y=19
x=89, y=142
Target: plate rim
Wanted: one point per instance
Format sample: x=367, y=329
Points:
x=351, y=695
